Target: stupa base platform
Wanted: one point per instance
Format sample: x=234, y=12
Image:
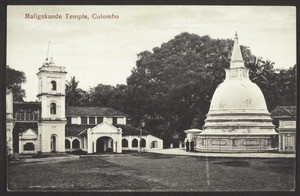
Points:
x=237, y=143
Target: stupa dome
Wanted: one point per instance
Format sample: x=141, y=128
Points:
x=238, y=96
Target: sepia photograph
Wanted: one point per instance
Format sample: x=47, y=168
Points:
x=148, y=98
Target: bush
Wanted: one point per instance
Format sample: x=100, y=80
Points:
x=39, y=155
x=109, y=149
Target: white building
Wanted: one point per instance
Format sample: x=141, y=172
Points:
x=10, y=121
x=286, y=117
x=101, y=129
x=47, y=126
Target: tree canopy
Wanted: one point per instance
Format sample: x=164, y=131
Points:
x=14, y=81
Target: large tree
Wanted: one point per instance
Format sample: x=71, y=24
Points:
x=14, y=81
x=101, y=95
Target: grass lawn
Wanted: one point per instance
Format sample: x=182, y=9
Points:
x=153, y=172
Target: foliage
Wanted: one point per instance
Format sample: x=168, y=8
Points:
x=76, y=96
x=101, y=95
x=277, y=85
x=14, y=81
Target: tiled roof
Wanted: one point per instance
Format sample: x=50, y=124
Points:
x=74, y=130
x=284, y=111
x=130, y=130
x=23, y=126
x=93, y=111
x=27, y=105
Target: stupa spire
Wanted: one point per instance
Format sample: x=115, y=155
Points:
x=236, y=57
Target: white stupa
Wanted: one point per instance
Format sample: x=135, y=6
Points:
x=238, y=119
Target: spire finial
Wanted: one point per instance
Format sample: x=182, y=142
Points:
x=236, y=57
x=236, y=34
x=47, y=52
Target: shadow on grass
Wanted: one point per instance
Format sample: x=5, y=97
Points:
x=280, y=162
x=280, y=166
x=149, y=155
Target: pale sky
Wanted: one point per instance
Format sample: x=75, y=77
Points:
x=99, y=51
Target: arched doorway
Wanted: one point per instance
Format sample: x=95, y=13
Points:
x=53, y=143
x=104, y=144
x=67, y=144
x=75, y=144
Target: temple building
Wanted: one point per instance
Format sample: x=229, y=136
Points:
x=49, y=126
x=238, y=119
x=285, y=117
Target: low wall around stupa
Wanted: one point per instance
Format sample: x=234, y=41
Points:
x=236, y=143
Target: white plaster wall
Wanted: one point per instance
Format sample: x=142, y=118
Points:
x=23, y=142
x=47, y=129
x=108, y=120
x=151, y=138
x=9, y=103
x=148, y=138
x=287, y=124
x=104, y=130
x=121, y=120
x=74, y=120
x=9, y=137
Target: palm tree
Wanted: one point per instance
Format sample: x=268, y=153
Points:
x=74, y=94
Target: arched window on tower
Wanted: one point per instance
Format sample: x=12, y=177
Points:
x=52, y=108
x=53, y=85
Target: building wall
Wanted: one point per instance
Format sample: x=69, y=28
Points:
x=23, y=142
x=9, y=103
x=77, y=120
x=71, y=139
x=9, y=122
x=46, y=130
x=287, y=135
x=60, y=107
x=149, y=139
x=104, y=130
x=233, y=143
x=28, y=137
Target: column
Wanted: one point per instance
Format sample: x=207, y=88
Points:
x=180, y=144
x=115, y=146
x=283, y=142
x=95, y=145
x=89, y=141
x=129, y=142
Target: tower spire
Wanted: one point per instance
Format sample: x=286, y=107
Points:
x=236, y=57
x=47, y=61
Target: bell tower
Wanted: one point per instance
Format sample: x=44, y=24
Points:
x=51, y=94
